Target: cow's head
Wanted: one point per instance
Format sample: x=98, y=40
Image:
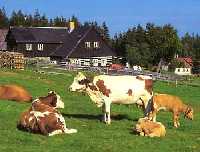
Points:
x=80, y=83
x=189, y=113
x=52, y=99
x=57, y=99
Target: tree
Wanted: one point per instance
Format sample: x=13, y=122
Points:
x=3, y=19
x=36, y=18
x=105, y=32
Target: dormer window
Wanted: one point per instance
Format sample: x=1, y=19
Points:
x=87, y=44
x=29, y=47
x=96, y=44
x=40, y=47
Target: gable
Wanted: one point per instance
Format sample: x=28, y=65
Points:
x=81, y=51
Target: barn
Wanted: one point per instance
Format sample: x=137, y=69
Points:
x=82, y=46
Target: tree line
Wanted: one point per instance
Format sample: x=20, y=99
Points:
x=147, y=45
x=141, y=45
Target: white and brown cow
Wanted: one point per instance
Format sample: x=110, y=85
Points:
x=44, y=118
x=104, y=90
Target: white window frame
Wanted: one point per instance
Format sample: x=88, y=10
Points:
x=96, y=44
x=28, y=47
x=40, y=47
x=87, y=44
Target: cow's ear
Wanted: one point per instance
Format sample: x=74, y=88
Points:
x=53, y=103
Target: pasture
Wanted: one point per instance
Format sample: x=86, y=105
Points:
x=93, y=135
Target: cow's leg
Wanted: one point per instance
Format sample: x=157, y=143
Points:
x=104, y=113
x=55, y=132
x=42, y=128
x=70, y=131
x=175, y=119
x=153, y=115
x=63, y=124
x=107, y=110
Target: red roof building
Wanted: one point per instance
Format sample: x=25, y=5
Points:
x=186, y=60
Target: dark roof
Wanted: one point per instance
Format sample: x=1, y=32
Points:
x=39, y=34
x=3, y=44
x=73, y=45
x=71, y=41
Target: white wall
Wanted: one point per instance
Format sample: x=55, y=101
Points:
x=183, y=71
x=96, y=61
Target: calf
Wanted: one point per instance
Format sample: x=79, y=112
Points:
x=145, y=127
x=44, y=118
x=14, y=92
x=170, y=103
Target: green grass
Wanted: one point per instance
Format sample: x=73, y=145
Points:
x=82, y=114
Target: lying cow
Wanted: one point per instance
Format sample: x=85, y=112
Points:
x=104, y=90
x=170, y=103
x=145, y=127
x=44, y=118
x=14, y=92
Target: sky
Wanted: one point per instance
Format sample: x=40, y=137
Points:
x=119, y=15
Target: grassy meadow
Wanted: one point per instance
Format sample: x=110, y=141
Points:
x=93, y=135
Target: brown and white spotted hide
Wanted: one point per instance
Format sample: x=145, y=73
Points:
x=28, y=122
x=15, y=93
x=105, y=89
x=44, y=118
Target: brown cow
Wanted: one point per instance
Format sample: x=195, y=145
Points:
x=14, y=92
x=145, y=127
x=44, y=118
x=170, y=103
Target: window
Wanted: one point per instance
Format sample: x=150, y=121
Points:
x=87, y=44
x=96, y=44
x=40, y=47
x=28, y=47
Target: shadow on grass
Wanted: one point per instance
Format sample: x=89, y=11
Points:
x=100, y=117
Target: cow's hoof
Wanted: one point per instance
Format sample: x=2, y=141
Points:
x=71, y=131
x=108, y=122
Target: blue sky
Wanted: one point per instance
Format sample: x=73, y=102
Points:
x=119, y=15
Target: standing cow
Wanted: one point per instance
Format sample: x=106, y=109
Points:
x=104, y=90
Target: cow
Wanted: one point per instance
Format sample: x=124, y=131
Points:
x=43, y=116
x=170, y=103
x=145, y=127
x=14, y=92
x=105, y=89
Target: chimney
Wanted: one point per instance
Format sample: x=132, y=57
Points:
x=71, y=26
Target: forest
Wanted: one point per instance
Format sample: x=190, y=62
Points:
x=143, y=45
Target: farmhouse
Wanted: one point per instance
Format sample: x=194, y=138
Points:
x=187, y=66
x=82, y=46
